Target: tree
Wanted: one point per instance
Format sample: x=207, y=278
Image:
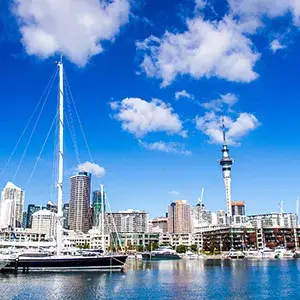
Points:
x=181, y=248
x=140, y=248
x=194, y=248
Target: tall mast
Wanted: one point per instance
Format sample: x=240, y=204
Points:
x=102, y=218
x=60, y=157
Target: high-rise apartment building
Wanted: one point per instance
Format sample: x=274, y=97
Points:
x=179, y=217
x=80, y=190
x=11, y=206
x=97, y=200
x=127, y=221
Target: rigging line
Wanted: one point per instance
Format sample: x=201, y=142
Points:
x=113, y=220
x=33, y=130
x=71, y=127
x=78, y=118
x=29, y=121
x=42, y=149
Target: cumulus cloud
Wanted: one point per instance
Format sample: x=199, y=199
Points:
x=183, y=94
x=269, y=8
x=236, y=127
x=206, y=49
x=218, y=104
x=141, y=117
x=168, y=147
x=211, y=125
x=74, y=28
x=92, y=168
x=275, y=45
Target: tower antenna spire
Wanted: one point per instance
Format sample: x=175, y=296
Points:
x=223, y=131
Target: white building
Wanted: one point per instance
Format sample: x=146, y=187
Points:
x=11, y=206
x=44, y=222
x=127, y=221
x=274, y=220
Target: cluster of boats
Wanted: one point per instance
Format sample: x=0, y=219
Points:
x=263, y=253
x=167, y=253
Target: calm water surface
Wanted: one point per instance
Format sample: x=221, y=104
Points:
x=183, y=279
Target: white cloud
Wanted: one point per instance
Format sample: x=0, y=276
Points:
x=183, y=94
x=74, y=28
x=174, y=193
x=140, y=117
x=275, y=45
x=236, y=127
x=218, y=104
x=207, y=49
x=269, y=8
x=92, y=168
x=200, y=4
x=211, y=125
x=168, y=147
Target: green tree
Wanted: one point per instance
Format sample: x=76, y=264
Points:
x=181, y=248
x=194, y=248
x=140, y=248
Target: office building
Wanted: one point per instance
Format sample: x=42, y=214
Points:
x=66, y=216
x=11, y=206
x=44, y=222
x=97, y=200
x=24, y=221
x=31, y=209
x=80, y=190
x=179, y=217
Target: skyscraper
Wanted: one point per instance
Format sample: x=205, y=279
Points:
x=12, y=206
x=226, y=163
x=66, y=208
x=80, y=190
x=97, y=200
x=179, y=217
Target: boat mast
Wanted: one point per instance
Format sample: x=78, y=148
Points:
x=60, y=157
x=102, y=218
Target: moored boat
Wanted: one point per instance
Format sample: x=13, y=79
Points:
x=162, y=253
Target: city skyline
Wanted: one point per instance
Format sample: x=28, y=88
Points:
x=148, y=165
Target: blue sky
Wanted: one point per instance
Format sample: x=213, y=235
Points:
x=126, y=62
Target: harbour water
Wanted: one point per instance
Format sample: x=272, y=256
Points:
x=181, y=279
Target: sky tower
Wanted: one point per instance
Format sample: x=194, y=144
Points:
x=226, y=163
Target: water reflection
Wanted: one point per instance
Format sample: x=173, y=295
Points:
x=181, y=279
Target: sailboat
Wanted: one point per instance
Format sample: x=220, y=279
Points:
x=80, y=260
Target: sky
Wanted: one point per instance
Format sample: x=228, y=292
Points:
x=152, y=82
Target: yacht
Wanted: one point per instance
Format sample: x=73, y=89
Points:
x=161, y=253
x=268, y=253
x=235, y=254
x=61, y=260
x=253, y=254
